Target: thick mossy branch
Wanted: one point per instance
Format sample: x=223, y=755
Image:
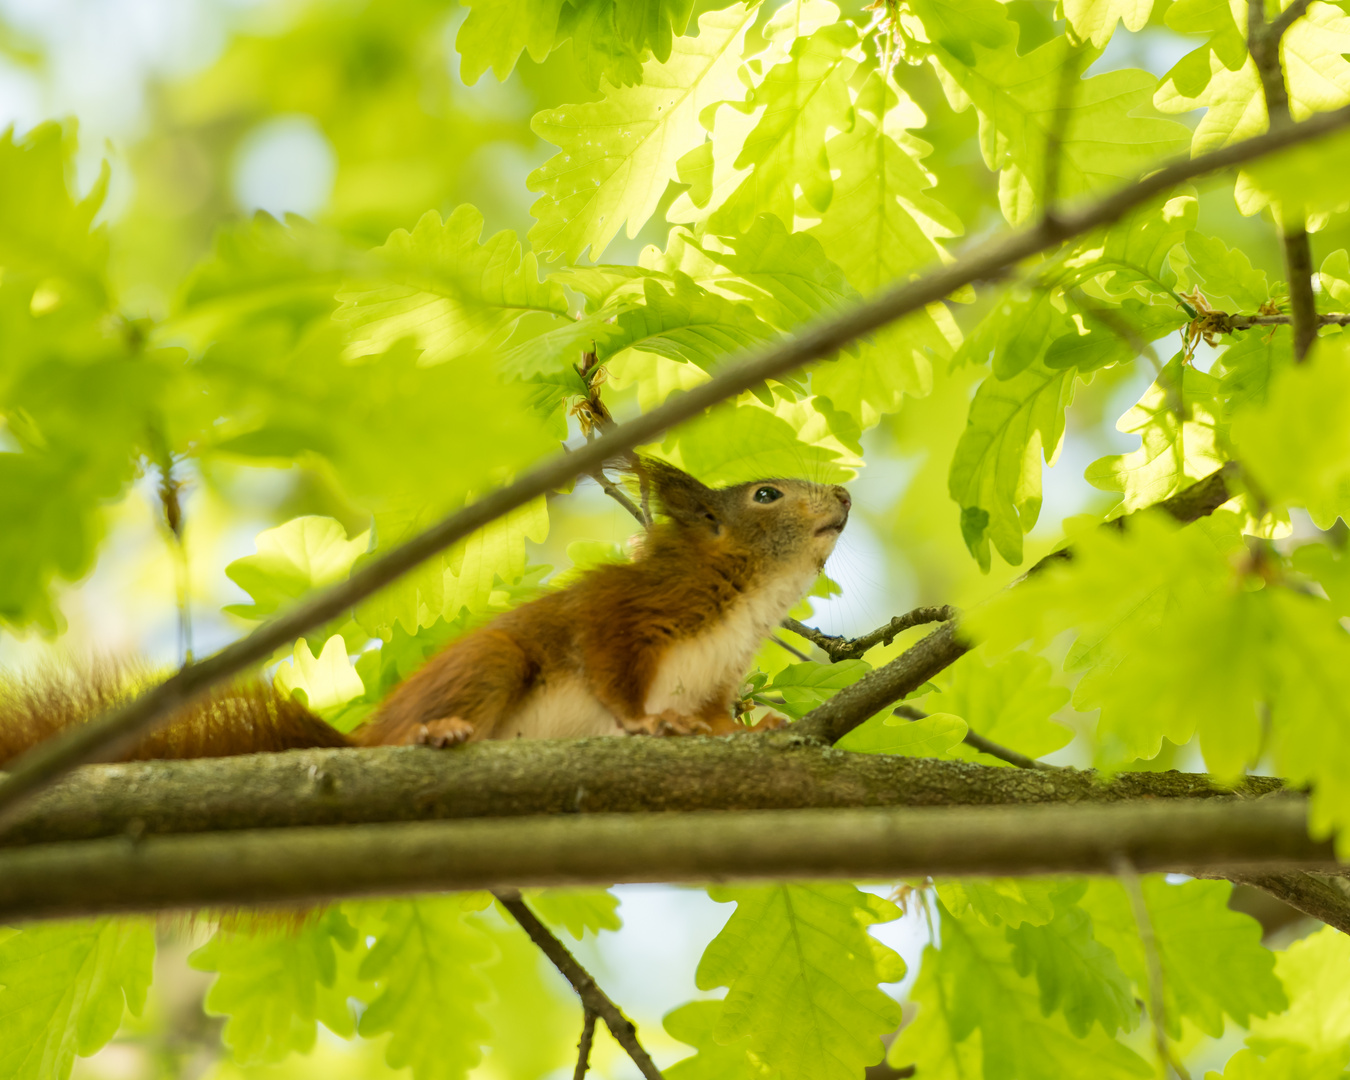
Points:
x=311, y=865
x=777, y=771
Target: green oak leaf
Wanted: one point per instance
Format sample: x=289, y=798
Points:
x=1095, y=20
x=617, y=155
x=734, y=444
x=462, y=578
x=455, y=298
x=1018, y=101
x=1316, y=1027
x=785, y=277
x=495, y=33
x=1078, y=976
x=1010, y=902
x=804, y=686
x=425, y=964
x=1181, y=439
x=304, y=554
x=63, y=989
x=979, y=1017
x=799, y=101
x=276, y=984
x=801, y=974
x=995, y=474
x=695, y=1024
x=1009, y=700
x=612, y=38
x=1226, y=274
x=579, y=910
x=262, y=271
x=1213, y=962
x=325, y=682
x=933, y=735
x=882, y=225
x=1298, y=444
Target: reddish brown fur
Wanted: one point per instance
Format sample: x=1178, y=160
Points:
x=609, y=631
x=612, y=626
x=247, y=718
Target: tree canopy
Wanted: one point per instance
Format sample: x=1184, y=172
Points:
x=1057, y=287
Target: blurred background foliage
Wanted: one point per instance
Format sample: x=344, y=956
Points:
x=188, y=131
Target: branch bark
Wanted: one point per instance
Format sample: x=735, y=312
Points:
x=594, y=1000
x=121, y=727
x=842, y=648
x=565, y=777
x=312, y=865
x=1263, y=42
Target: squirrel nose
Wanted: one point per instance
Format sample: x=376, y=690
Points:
x=842, y=495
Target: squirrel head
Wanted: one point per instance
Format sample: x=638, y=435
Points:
x=775, y=520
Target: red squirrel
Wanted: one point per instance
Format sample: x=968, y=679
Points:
x=656, y=646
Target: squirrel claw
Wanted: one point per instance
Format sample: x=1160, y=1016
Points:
x=668, y=722
x=443, y=733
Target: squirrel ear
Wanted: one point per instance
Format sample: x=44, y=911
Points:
x=687, y=500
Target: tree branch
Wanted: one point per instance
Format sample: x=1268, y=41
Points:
x=617, y=494
x=594, y=1000
x=1263, y=42
x=584, y=1047
x=842, y=648
x=312, y=865
x=986, y=746
x=530, y=777
x=1308, y=893
x=120, y=728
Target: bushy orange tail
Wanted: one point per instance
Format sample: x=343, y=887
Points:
x=247, y=718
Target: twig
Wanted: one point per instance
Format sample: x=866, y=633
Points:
x=584, y=1047
x=1264, y=44
x=117, y=730
x=1129, y=878
x=842, y=648
x=986, y=746
x=593, y=999
x=790, y=648
x=617, y=494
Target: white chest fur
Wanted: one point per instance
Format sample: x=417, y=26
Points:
x=698, y=669
x=562, y=709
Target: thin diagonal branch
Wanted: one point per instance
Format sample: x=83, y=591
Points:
x=1263, y=41
x=790, y=647
x=584, y=1047
x=593, y=999
x=1129, y=878
x=986, y=746
x=617, y=494
x=120, y=728
x=842, y=648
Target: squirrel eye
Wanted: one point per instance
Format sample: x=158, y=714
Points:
x=767, y=494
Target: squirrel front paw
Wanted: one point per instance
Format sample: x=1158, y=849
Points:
x=668, y=722
x=442, y=733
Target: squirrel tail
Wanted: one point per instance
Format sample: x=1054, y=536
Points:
x=246, y=718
